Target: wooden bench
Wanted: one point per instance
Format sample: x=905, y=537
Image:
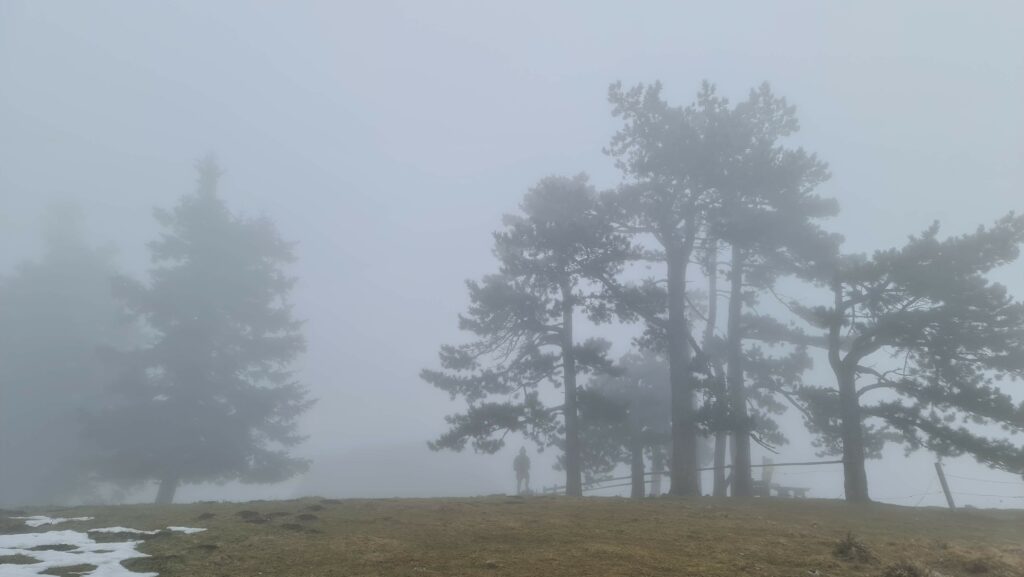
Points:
x=764, y=487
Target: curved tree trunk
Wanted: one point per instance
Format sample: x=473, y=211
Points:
x=742, y=485
x=573, y=468
x=685, y=474
x=168, y=487
x=855, y=478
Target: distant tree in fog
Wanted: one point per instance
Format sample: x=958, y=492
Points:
x=55, y=313
x=627, y=416
x=523, y=320
x=920, y=342
x=214, y=398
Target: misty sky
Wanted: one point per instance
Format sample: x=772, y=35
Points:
x=388, y=138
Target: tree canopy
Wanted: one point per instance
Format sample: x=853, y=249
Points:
x=945, y=338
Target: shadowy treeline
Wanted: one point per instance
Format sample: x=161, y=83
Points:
x=714, y=206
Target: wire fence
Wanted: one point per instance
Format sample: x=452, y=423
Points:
x=599, y=484
x=931, y=490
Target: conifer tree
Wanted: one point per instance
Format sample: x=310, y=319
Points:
x=55, y=312
x=922, y=346
x=627, y=416
x=764, y=207
x=214, y=398
x=667, y=157
x=698, y=176
x=523, y=321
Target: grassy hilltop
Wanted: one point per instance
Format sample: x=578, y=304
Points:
x=555, y=536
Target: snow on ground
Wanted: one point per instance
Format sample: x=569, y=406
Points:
x=123, y=530
x=106, y=557
x=81, y=549
x=40, y=520
x=186, y=530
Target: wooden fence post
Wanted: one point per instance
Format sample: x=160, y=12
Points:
x=945, y=486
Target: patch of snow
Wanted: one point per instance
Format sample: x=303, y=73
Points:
x=123, y=530
x=186, y=530
x=40, y=520
x=107, y=557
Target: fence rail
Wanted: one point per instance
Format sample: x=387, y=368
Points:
x=600, y=484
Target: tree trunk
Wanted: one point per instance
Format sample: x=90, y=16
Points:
x=168, y=487
x=742, y=486
x=685, y=474
x=573, y=468
x=657, y=465
x=855, y=478
x=721, y=437
x=721, y=488
x=638, y=487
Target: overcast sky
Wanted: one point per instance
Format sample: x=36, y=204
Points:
x=388, y=138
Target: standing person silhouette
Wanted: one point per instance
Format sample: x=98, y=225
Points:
x=521, y=465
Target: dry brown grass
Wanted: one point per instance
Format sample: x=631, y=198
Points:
x=555, y=536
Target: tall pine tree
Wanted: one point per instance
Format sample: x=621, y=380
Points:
x=764, y=208
x=523, y=319
x=667, y=160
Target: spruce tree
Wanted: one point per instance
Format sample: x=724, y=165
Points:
x=214, y=398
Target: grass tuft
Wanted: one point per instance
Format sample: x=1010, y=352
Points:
x=849, y=548
x=18, y=559
x=71, y=570
x=904, y=569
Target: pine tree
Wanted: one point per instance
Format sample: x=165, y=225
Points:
x=764, y=208
x=667, y=158
x=214, y=398
x=953, y=339
x=627, y=416
x=523, y=319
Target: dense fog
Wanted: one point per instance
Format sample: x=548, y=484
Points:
x=370, y=151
